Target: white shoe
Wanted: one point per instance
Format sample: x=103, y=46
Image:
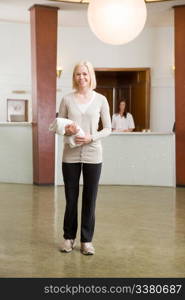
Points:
x=68, y=245
x=87, y=249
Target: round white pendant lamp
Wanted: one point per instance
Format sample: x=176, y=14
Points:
x=116, y=22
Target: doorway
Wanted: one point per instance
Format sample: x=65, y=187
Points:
x=130, y=84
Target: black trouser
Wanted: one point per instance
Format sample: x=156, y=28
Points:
x=91, y=175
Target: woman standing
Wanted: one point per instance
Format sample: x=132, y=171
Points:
x=122, y=121
x=84, y=106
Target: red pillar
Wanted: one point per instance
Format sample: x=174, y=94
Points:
x=44, y=56
x=180, y=92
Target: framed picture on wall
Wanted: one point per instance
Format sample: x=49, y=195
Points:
x=17, y=110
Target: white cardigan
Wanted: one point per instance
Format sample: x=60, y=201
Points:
x=88, y=121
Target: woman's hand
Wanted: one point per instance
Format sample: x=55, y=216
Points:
x=123, y=130
x=83, y=140
x=71, y=129
x=128, y=130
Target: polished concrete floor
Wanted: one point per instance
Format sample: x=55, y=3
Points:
x=140, y=232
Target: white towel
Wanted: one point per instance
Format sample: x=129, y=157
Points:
x=58, y=126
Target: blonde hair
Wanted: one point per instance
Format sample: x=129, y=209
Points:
x=92, y=75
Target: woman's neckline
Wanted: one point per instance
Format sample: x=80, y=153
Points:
x=89, y=101
x=121, y=116
x=87, y=104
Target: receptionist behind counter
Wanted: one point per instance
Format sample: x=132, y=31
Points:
x=122, y=121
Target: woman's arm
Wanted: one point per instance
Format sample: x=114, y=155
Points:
x=63, y=113
x=106, y=121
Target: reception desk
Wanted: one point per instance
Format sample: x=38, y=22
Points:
x=129, y=158
x=136, y=158
x=139, y=159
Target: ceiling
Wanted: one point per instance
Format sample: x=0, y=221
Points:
x=73, y=14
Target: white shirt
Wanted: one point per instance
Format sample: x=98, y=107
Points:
x=83, y=106
x=123, y=123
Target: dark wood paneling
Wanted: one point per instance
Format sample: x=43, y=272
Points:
x=180, y=93
x=44, y=53
x=106, y=79
x=138, y=105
